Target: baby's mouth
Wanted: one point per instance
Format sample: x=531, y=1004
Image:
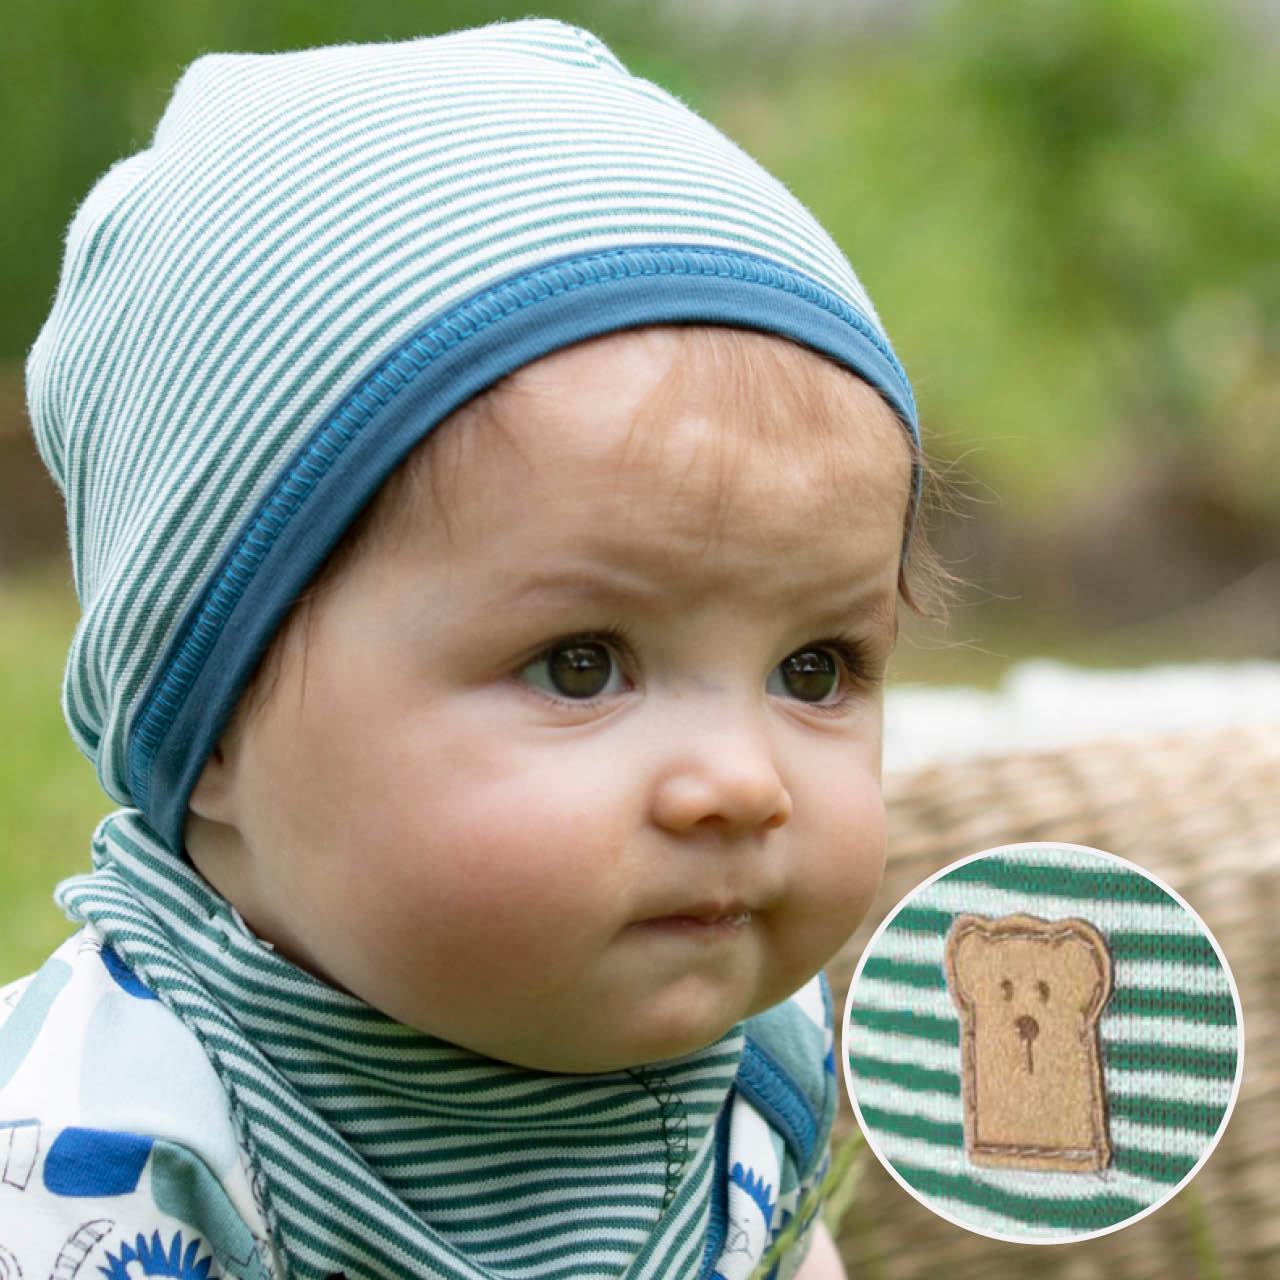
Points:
x=709, y=920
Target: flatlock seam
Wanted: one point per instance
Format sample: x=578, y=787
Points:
x=674, y=1123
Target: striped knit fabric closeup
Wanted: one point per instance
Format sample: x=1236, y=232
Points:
x=319, y=256
x=961, y=1084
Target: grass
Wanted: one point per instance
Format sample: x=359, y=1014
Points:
x=49, y=797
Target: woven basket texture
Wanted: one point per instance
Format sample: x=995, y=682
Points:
x=1200, y=810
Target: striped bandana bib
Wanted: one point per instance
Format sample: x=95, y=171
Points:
x=363, y=1126
x=322, y=254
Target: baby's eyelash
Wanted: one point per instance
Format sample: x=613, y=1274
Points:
x=862, y=673
x=856, y=656
x=616, y=638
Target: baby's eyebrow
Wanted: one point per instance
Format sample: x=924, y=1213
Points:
x=578, y=583
x=876, y=610
x=868, y=607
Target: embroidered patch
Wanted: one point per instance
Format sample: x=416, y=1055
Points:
x=1030, y=993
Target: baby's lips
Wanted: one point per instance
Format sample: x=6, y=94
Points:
x=705, y=912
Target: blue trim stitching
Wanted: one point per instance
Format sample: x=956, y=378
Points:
x=718, y=1219
x=769, y=1088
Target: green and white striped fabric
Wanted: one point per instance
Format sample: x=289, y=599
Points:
x=1170, y=1036
x=319, y=256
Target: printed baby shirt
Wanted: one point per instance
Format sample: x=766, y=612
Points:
x=118, y=1155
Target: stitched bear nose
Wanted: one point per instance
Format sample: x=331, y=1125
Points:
x=1028, y=1027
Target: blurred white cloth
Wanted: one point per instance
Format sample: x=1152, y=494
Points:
x=1042, y=705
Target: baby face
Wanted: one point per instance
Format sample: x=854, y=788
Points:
x=582, y=767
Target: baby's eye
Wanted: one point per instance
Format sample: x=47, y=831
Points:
x=808, y=675
x=578, y=669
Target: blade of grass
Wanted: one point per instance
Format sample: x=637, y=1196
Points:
x=1201, y=1234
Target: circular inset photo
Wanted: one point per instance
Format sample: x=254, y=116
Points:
x=1043, y=1043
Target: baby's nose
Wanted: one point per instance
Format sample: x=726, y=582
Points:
x=1028, y=1027
x=723, y=780
x=736, y=801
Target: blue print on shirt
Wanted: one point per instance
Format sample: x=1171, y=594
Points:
x=756, y=1187
x=156, y=1262
x=125, y=977
x=95, y=1162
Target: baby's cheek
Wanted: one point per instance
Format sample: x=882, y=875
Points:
x=507, y=877
x=842, y=875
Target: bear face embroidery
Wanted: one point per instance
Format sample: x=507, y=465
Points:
x=1030, y=993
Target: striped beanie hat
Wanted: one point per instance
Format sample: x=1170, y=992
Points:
x=321, y=255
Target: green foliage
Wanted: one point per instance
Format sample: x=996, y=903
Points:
x=1069, y=213
x=1140, y=131
x=1200, y=1233
x=831, y=1199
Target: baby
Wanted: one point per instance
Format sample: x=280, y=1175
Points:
x=489, y=493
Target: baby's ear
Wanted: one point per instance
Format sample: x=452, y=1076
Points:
x=210, y=798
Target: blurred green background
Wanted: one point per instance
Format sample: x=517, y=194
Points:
x=1068, y=213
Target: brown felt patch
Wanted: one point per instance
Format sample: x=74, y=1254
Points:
x=1030, y=993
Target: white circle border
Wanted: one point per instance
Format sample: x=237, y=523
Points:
x=887, y=1164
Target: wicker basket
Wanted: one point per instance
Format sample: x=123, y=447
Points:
x=1200, y=810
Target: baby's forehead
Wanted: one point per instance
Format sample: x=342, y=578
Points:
x=676, y=441
x=707, y=397
x=760, y=375
x=646, y=460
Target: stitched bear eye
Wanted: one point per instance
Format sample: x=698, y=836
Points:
x=1043, y=988
x=1007, y=987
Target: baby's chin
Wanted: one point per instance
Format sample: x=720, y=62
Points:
x=624, y=1055
x=673, y=1025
